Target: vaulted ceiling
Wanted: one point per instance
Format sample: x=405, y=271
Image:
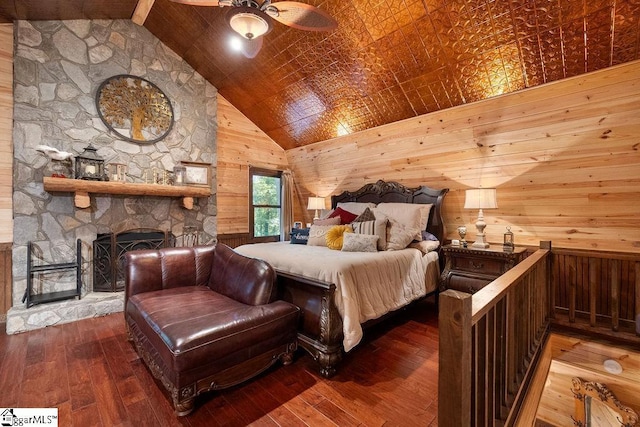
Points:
x=388, y=60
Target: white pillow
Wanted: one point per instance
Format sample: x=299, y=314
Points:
x=355, y=208
x=353, y=242
x=425, y=246
x=318, y=235
x=399, y=235
x=412, y=215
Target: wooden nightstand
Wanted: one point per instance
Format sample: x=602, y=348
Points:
x=470, y=269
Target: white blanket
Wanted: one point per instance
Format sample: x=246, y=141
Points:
x=368, y=284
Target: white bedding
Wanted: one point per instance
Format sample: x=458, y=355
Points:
x=368, y=284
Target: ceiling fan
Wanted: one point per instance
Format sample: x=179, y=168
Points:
x=252, y=19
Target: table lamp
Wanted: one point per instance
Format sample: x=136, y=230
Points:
x=480, y=198
x=315, y=203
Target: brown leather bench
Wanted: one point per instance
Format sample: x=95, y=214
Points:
x=205, y=318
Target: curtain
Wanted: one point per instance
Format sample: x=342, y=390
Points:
x=286, y=218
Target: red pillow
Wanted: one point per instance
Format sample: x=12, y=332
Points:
x=346, y=217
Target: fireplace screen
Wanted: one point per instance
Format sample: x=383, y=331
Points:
x=109, y=250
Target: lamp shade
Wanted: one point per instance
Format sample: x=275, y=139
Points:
x=480, y=198
x=315, y=203
x=250, y=23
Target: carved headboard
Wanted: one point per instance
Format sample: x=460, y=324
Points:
x=395, y=192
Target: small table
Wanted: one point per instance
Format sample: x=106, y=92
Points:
x=470, y=269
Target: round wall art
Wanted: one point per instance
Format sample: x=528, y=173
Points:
x=135, y=109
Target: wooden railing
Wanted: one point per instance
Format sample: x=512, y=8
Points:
x=489, y=343
x=596, y=292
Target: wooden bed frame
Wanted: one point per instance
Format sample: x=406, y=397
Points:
x=320, y=329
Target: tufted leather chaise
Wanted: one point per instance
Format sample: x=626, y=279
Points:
x=205, y=318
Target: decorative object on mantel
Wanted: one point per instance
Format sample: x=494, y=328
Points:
x=480, y=198
x=117, y=172
x=315, y=203
x=179, y=174
x=61, y=160
x=135, y=109
x=508, y=243
x=89, y=165
x=197, y=173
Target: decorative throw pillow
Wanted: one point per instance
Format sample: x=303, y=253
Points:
x=355, y=207
x=353, y=242
x=399, y=235
x=327, y=221
x=346, y=217
x=366, y=215
x=367, y=223
x=299, y=236
x=334, y=236
x=318, y=235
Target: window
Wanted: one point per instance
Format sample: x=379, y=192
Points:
x=264, y=215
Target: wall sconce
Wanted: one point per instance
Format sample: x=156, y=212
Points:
x=315, y=203
x=480, y=198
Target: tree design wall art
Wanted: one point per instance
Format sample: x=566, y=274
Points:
x=134, y=109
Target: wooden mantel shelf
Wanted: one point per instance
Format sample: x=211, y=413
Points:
x=82, y=189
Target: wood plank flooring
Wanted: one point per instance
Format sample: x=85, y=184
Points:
x=93, y=375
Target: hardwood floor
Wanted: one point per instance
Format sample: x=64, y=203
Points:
x=93, y=375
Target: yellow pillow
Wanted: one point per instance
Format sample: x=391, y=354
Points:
x=334, y=236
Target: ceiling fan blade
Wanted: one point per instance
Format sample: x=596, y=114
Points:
x=251, y=48
x=301, y=16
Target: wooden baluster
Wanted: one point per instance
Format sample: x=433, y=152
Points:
x=593, y=290
x=615, y=295
x=572, y=293
x=637, y=296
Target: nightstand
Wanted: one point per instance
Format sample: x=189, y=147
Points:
x=470, y=269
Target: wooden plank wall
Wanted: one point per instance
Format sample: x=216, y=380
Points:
x=564, y=157
x=240, y=145
x=6, y=166
x=6, y=133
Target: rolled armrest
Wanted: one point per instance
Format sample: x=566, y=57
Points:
x=151, y=270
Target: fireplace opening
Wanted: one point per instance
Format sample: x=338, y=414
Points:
x=109, y=250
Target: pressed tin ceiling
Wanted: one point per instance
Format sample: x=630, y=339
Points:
x=387, y=61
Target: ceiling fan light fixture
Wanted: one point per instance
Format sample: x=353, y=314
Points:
x=248, y=22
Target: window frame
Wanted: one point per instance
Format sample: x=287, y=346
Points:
x=253, y=171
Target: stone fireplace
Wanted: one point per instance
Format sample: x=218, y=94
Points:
x=58, y=66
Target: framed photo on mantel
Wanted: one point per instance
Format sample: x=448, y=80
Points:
x=196, y=173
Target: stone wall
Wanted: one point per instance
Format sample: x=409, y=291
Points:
x=58, y=68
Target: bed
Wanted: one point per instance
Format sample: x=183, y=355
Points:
x=338, y=292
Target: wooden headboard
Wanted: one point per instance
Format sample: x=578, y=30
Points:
x=395, y=192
